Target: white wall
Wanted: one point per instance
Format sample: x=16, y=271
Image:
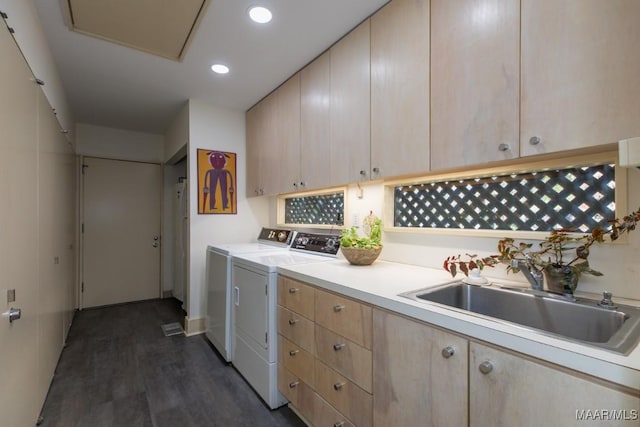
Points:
x=212, y=127
x=618, y=262
x=24, y=19
x=100, y=141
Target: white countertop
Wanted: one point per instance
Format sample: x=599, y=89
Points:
x=380, y=283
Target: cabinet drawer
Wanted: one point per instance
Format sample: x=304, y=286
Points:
x=298, y=361
x=325, y=415
x=297, y=392
x=296, y=296
x=352, y=401
x=348, y=358
x=344, y=316
x=296, y=329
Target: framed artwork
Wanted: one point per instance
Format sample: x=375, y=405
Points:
x=217, y=182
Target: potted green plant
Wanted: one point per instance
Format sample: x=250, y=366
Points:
x=362, y=250
x=562, y=256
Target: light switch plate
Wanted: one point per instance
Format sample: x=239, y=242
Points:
x=11, y=295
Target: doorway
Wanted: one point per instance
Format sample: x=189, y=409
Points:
x=121, y=202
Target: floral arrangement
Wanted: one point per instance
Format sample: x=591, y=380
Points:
x=561, y=249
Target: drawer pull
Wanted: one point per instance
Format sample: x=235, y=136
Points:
x=338, y=386
x=338, y=308
x=447, y=352
x=338, y=347
x=293, y=321
x=293, y=290
x=486, y=367
x=293, y=352
x=338, y=424
x=294, y=384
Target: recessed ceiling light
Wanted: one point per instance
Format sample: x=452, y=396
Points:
x=220, y=68
x=260, y=14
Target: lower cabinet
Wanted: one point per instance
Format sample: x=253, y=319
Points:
x=505, y=387
x=421, y=374
x=413, y=374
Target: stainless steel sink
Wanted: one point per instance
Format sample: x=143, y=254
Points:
x=581, y=320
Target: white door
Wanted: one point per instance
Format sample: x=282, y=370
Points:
x=121, y=238
x=19, y=405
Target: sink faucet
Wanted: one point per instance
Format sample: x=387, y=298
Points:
x=532, y=273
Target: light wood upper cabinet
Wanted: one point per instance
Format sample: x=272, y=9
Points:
x=414, y=383
x=350, y=133
x=315, y=93
x=512, y=389
x=474, y=81
x=273, y=141
x=400, y=88
x=580, y=68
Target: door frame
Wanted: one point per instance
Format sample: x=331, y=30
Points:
x=81, y=221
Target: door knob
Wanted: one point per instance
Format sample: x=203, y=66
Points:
x=14, y=314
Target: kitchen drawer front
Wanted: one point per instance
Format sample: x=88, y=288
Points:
x=325, y=415
x=297, y=392
x=344, y=316
x=296, y=296
x=296, y=360
x=296, y=329
x=352, y=401
x=348, y=358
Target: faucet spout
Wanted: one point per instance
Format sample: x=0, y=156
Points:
x=533, y=274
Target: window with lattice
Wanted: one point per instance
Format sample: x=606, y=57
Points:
x=315, y=209
x=578, y=198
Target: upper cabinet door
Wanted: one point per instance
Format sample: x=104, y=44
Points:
x=351, y=106
x=400, y=88
x=255, y=123
x=315, y=92
x=474, y=81
x=580, y=68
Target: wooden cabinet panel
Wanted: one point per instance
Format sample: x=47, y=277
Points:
x=352, y=401
x=414, y=384
x=255, y=124
x=327, y=415
x=344, y=316
x=315, y=150
x=296, y=360
x=400, y=88
x=580, y=68
x=296, y=296
x=297, y=392
x=475, y=80
x=514, y=386
x=350, y=106
x=296, y=329
x=345, y=356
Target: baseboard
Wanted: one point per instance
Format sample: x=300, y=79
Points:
x=194, y=326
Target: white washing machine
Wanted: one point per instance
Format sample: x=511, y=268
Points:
x=219, y=308
x=255, y=285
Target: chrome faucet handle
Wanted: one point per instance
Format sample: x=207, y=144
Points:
x=607, y=302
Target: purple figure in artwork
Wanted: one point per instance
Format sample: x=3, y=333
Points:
x=212, y=177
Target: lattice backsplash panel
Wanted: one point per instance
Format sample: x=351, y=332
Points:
x=326, y=209
x=576, y=198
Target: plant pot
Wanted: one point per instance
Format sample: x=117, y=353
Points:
x=361, y=256
x=562, y=279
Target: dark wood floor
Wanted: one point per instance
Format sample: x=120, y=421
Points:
x=118, y=369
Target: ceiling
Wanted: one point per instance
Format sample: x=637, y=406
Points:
x=112, y=85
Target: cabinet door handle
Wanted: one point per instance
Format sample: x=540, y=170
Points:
x=504, y=147
x=448, y=351
x=338, y=424
x=293, y=321
x=294, y=384
x=293, y=352
x=376, y=170
x=486, y=367
x=293, y=290
x=535, y=140
x=338, y=307
x=337, y=386
x=338, y=347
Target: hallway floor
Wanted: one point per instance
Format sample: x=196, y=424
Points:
x=118, y=369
